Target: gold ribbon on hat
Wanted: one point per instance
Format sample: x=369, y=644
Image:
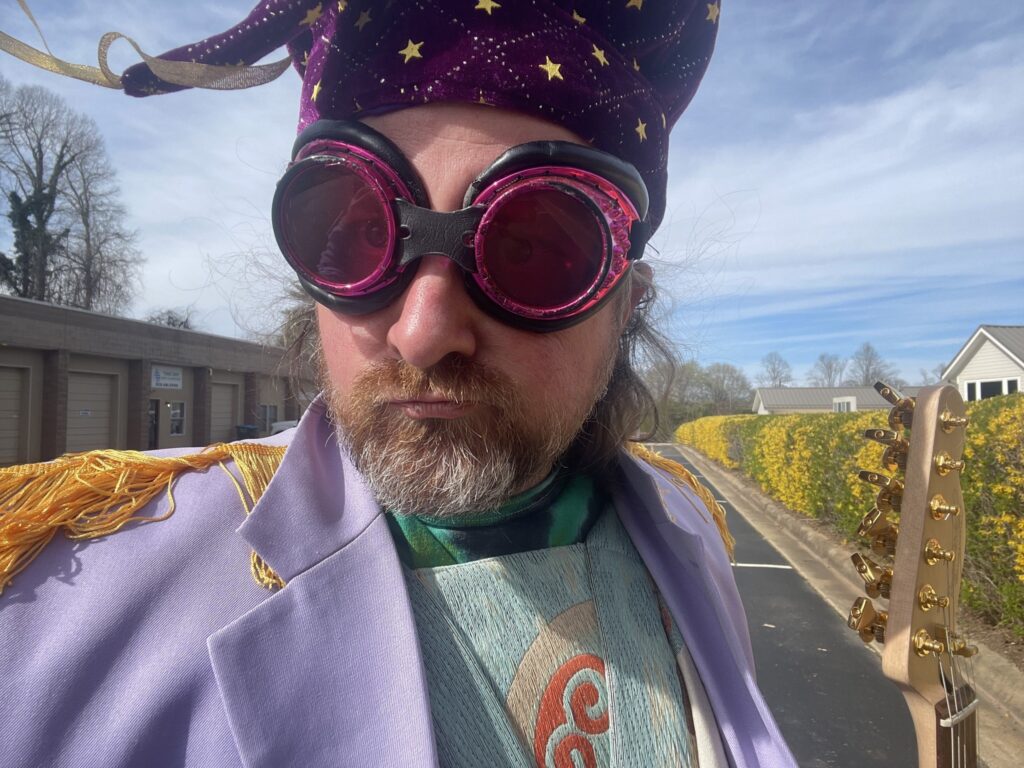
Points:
x=191, y=74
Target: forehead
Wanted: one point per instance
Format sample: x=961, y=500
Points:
x=454, y=142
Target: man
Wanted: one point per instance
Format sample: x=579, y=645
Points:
x=464, y=566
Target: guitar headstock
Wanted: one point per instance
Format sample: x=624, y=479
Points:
x=919, y=521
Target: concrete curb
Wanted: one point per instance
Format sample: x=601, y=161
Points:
x=826, y=565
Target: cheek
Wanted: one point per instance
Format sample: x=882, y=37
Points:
x=574, y=364
x=344, y=346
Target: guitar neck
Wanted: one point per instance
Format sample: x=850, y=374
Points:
x=919, y=521
x=944, y=742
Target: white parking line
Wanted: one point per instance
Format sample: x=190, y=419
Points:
x=762, y=565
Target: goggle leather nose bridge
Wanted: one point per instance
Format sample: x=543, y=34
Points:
x=423, y=231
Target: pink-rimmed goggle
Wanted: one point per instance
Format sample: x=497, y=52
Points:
x=546, y=234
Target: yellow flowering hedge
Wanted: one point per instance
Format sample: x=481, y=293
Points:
x=809, y=462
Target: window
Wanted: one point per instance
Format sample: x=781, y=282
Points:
x=268, y=415
x=844, y=404
x=177, y=418
x=991, y=389
x=980, y=390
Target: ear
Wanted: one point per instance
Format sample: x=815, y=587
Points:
x=640, y=281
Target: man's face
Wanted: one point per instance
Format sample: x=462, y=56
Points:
x=446, y=409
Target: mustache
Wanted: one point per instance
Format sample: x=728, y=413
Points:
x=454, y=378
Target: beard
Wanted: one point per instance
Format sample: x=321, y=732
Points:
x=447, y=468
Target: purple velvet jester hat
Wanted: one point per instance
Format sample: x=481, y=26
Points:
x=618, y=73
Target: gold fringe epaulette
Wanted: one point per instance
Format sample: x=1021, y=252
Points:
x=682, y=476
x=94, y=494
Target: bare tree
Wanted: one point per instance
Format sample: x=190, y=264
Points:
x=70, y=245
x=934, y=376
x=866, y=367
x=827, y=371
x=174, y=317
x=775, y=371
x=726, y=389
x=101, y=263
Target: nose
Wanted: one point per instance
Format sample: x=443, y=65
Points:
x=436, y=316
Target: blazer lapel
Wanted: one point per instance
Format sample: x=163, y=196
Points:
x=668, y=528
x=327, y=671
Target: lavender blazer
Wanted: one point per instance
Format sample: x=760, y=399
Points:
x=155, y=647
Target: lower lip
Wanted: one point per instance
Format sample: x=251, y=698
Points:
x=438, y=410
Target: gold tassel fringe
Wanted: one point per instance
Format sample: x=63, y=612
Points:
x=94, y=494
x=683, y=476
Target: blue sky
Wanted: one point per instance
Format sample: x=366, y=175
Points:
x=848, y=172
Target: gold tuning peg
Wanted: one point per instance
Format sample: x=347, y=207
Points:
x=884, y=436
x=877, y=579
x=957, y=646
x=933, y=553
x=925, y=644
x=891, y=495
x=880, y=531
x=940, y=509
x=951, y=422
x=866, y=621
x=877, y=478
x=901, y=416
x=895, y=456
x=928, y=598
x=944, y=464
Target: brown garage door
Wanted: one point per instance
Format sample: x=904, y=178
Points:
x=223, y=407
x=90, y=411
x=12, y=416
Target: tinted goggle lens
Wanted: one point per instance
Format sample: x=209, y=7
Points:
x=542, y=248
x=338, y=227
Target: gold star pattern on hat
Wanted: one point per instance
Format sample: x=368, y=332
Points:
x=316, y=90
x=641, y=129
x=312, y=15
x=638, y=4
x=577, y=18
x=342, y=5
x=598, y=54
x=487, y=5
x=554, y=70
x=412, y=51
x=636, y=65
x=363, y=20
x=713, y=10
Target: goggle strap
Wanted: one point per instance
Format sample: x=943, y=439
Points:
x=639, y=234
x=422, y=231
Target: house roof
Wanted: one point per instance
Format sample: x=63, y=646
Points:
x=1009, y=338
x=820, y=398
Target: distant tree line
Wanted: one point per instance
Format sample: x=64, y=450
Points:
x=861, y=369
x=689, y=390
x=62, y=207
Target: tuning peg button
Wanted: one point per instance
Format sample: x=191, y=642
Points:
x=890, y=497
x=866, y=621
x=880, y=531
x=877, y=580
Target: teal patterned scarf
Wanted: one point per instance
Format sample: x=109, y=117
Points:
x=558, y=512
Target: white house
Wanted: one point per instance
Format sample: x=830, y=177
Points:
x=990, y=363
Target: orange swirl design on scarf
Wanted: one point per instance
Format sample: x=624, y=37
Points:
x=573, y=707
